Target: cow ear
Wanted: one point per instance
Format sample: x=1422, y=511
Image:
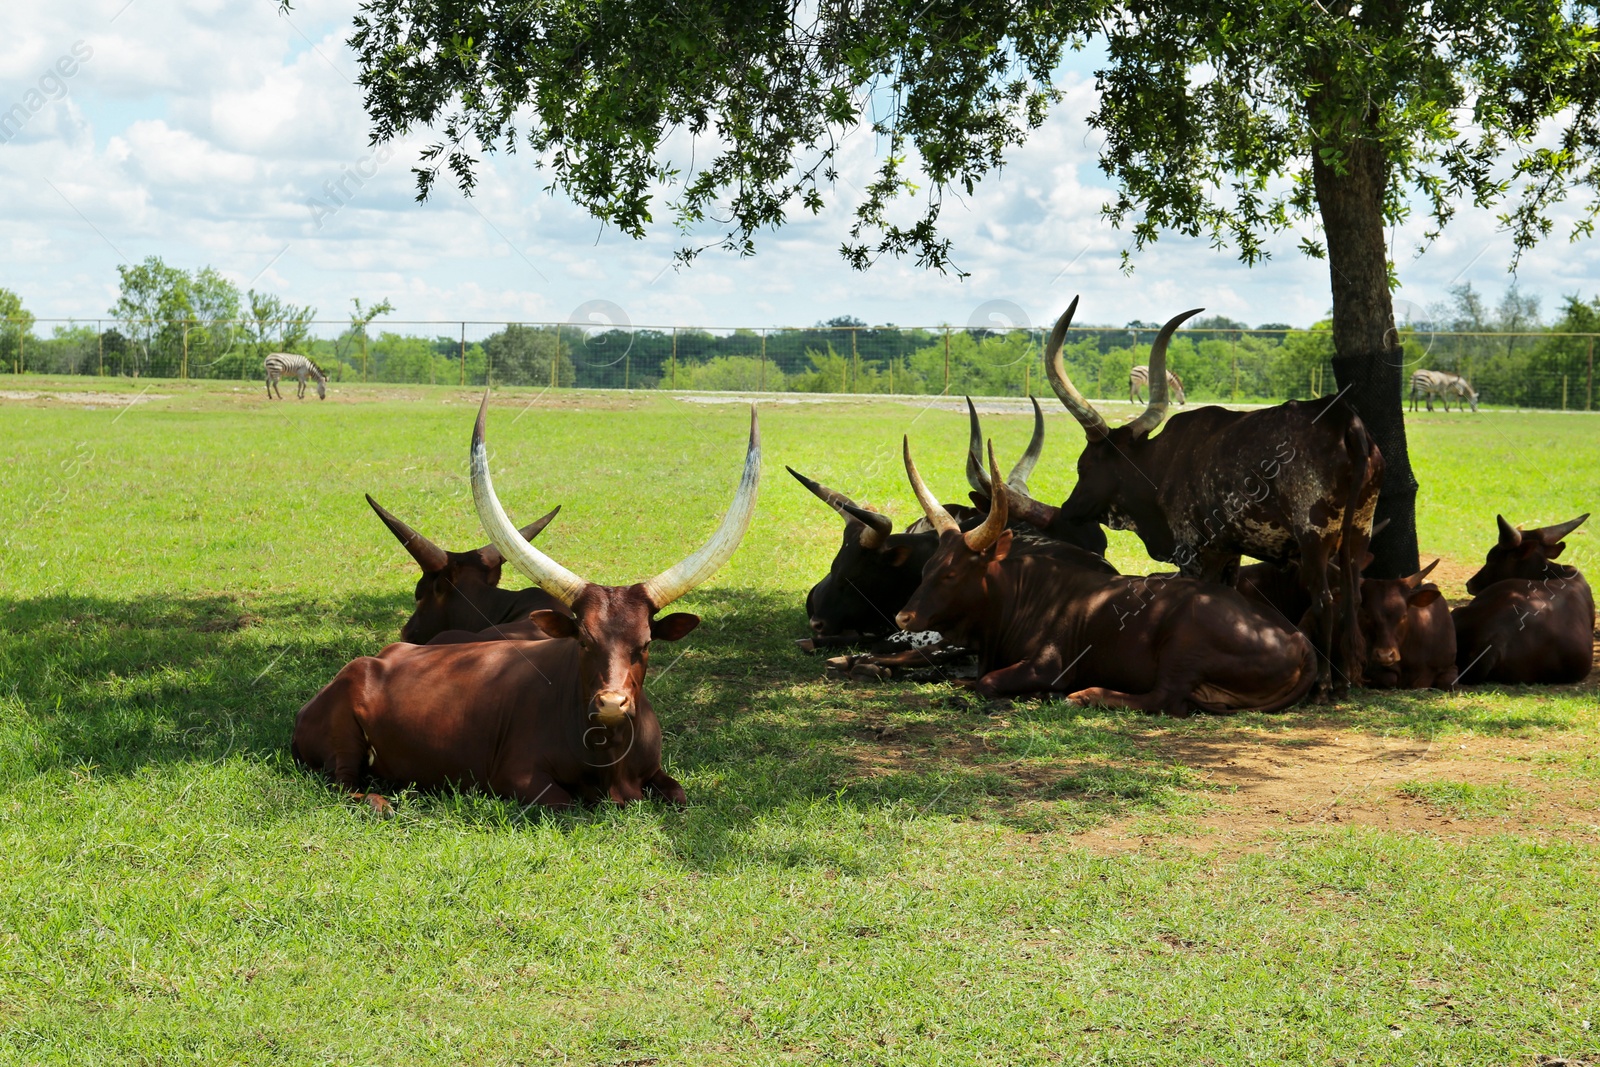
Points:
x=898, y=555
x=554, y=623
x=1366, y=561
x=1552, y=551
x=1423, y=597
x=1002, y=546
x=674, y=627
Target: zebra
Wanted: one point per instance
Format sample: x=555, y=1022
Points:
x=290, y=365
x=1139, y=377
x=1432, y=383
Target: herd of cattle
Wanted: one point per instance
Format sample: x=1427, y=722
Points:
x=538, y=695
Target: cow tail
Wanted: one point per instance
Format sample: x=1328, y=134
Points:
x=1358, y=446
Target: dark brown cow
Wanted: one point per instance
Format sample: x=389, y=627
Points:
x=459, y=594
x=541, y=722
x=1532, y=619
x=1043, y=623
x=1294, y=483
x=1411, y=642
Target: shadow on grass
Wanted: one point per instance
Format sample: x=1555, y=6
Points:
x=774, y=756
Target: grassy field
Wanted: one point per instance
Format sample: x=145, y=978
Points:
x=884, y=874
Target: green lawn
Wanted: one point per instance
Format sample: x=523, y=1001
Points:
x=878, y=875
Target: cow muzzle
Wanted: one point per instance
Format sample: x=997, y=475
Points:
x=906, y=621
x=819, y=626
x=1386, y=657
x=612, y=707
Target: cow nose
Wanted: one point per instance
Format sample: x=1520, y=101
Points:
x=1387, y=657
x=611, y=707
x=818, y=625
x=904, y=620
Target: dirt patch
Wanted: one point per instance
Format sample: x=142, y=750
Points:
x=1314, y=778
x=88, y=399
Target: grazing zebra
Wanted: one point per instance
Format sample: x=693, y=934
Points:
x=1433, y=383
x=1139, y=377
x=290, y=365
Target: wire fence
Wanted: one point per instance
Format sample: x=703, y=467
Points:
x=1531, y=369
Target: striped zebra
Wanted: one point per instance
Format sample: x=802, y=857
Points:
x=290, y=365
x=1139, y=378
x=1433, y=383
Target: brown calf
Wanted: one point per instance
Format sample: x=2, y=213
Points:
x=1043, y=622
x=1411, y=642
x=1532, y=619
x=541, y=722
x=460, y=592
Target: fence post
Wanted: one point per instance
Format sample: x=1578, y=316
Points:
x=674, y=357
x=22, y=357
x=763, y=382
x=947, y=359
x=363, y=353
x=101, y=337
x=183, y=367
x=1563, y=392
x=463, y=360
x=1589, y=392
x=627, y=365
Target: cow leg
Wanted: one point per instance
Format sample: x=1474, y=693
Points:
x=1314, y=578
x=1163, y=698
x=1028, y=676
x=536, y=787
x=666, y=787
x=328, y=736
x=624, y=792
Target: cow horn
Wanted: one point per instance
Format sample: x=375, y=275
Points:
x=549, y=575
x=981, y=538
x=429, y=556
x=1418, y=578
x=1094, y=424
x=975, y=477
x=1551, y=534
x=877, y=526
x=937, y=515
x=1510, y=536
x=695, y=568
x=1156, y=409
x=491, y=555
x=1018, y=478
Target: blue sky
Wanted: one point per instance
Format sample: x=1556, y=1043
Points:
x=202, y=131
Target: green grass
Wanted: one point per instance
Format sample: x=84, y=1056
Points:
x=1465, y=799
x=878, y=874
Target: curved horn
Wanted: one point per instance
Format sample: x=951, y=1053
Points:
x=695, y=568
x=1510, y=536
x=550, y=576
x=878, y=526
x=975, y=475
x=1094, y=424
x=429, y=556
x=491, y=555
x=932, y=508
x=1156, y=409
x=1018, y=478
x=1418, y=578
x=1551, y=534
x=981, y=538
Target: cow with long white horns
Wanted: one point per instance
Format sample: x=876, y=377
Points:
x=551, y=722
x=1043, y=622
x=1296, y=482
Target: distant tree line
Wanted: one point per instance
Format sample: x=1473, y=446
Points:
x=168, y=322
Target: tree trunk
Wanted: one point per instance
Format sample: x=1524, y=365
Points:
x=1369, y=361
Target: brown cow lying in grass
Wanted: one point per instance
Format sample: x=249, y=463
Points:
x=1042, y=622
x=540, y=722
x=1411, y=642
x=1530, y=620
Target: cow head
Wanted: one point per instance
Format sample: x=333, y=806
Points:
x=614, y=625
x=1112, y=488
x=1385, y=614
x=457, y=590
x=872, y=568
x=1524, y=554
x=954, y=580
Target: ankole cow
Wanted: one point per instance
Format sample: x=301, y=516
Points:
x=1043, y=623
x=458, y=597
x=1530, y=619
x=541, y=722
x=1410, y=640
x=1297, y=483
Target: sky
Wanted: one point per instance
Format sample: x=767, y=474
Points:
x=208, y=132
